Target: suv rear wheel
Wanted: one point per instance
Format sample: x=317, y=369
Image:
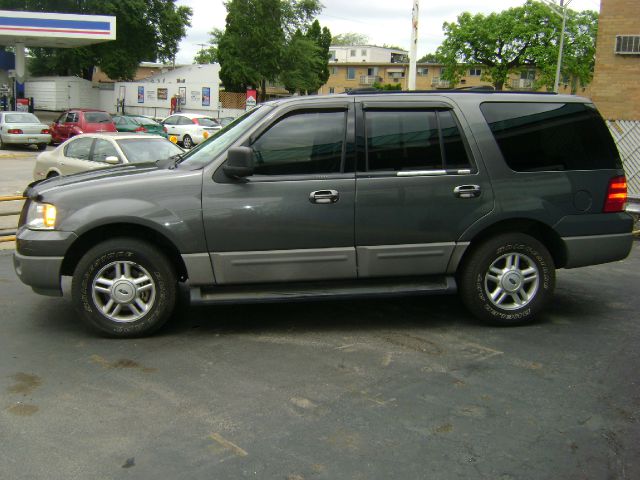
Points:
x=507, y=279
x=124, y=288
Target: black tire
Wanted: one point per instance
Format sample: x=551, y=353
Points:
x=42, y=146
x=524, y=295
x=143, y=260
x=187, y=142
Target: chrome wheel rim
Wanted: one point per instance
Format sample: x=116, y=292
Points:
x=123, y=291
x=512, y=281
x=187, y=142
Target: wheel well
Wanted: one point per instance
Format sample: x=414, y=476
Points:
x=538, y=230
x=95, y=236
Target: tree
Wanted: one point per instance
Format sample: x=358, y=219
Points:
x=269, y=40
x=350, y=38
x=510, y=40
x=206, y=55
x=145, y=30
x=429, y=58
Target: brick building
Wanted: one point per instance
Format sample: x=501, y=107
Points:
x=615, y=87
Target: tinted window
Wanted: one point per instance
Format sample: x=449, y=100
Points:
x=303, y=143
x=103, y=149
x=455, y=153
x=551, y=136
x=72, y=117
x=97, y=117
x=142, y=150
x=403, y=140
x=79, y=148
x=21, y=118
x=171, y=121
x=207, y=122
x=184, y=121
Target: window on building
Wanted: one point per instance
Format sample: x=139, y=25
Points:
x=372, y=71
x=334, y=70
x=351, y=73
x=536, y=137
x=364, y=53
x=628, y=44
x=352, y=53
x=332, y=55
x=302, y=144
x=332, y=90
x=475, y=72
x=423, y=71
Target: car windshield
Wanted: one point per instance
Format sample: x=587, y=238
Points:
x=145, y=121
x=207, y=122
x=97, y=117
x=144, y=150
x=21, y=118
x=223, y=139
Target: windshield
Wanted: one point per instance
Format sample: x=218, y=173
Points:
x=21, y=118
x=223, y=139
x=97, y=117
x=143, y=150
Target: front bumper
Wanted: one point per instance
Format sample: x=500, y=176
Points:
x=42, y=274
x=26, y=138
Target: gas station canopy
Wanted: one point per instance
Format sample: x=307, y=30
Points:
x=57, y=30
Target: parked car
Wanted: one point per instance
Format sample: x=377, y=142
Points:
x=190, y=128
x=80, y=120
x=358, y=195
x=138, y=124
x=91, y=151
x=21, y=128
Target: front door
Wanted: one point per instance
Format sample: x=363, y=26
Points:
x=291, y=220
x=418, y=189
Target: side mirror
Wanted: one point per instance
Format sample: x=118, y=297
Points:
x=112, y=160
x=239, y=162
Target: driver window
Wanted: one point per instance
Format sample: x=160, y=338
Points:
x=302, y=144
x=103, y=149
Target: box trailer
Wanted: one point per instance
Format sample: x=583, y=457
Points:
x=61, y=93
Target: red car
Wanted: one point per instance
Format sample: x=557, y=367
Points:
x=80, y=120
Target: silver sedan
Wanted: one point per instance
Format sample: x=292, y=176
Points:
x=91, y=151
x=22, y=128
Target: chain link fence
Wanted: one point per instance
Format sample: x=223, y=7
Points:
x=626, y=134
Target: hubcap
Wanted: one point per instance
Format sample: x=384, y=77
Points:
x=123, y=291
x=512, y=281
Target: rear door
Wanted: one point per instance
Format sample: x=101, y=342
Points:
x=419, y=187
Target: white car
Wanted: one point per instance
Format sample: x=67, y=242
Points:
x=190, y=128
x=22, y=128
x=90, y=151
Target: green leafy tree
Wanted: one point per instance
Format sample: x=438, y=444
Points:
x=513, y=39
x=270, y=40
x=206, y=55
x=350, y=38
x=428, y=58
x=145, y=30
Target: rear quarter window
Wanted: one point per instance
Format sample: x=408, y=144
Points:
x=551, y=136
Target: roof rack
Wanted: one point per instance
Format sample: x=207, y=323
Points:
x=373, y=91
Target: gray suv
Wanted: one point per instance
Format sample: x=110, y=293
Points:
x=340, y=196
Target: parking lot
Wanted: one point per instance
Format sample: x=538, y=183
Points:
x=396, y=388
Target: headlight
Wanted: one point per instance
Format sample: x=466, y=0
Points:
x=41, y=216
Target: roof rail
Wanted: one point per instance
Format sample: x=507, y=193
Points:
x=373, y=91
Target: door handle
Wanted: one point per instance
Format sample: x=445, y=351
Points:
x=467, y=191
x=324, y=196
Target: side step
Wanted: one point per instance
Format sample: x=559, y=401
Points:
x=304, y=291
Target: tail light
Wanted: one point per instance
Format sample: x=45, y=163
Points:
x=14, y=130
x=616, y=195
x=140, y=129
x=45, y=131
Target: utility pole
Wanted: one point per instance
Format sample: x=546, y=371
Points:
x=413, y=50
x=556, y=85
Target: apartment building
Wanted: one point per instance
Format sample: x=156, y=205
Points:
x=367, y=54
x=615, y=86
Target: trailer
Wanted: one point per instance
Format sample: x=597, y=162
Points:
x=60, y=93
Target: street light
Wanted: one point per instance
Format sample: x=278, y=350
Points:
x=562, y=11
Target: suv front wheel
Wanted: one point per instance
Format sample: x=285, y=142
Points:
x=124, y=288
x=508, y=279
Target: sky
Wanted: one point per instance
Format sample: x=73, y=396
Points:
x=383, y=21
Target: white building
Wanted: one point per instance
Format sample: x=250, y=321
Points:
x=366, y=53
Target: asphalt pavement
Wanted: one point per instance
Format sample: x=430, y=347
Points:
x=407, y=388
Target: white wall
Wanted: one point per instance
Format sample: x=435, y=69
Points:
x=372, y=54
x=60, y=93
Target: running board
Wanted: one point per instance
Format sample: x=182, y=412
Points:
x=305, y=291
